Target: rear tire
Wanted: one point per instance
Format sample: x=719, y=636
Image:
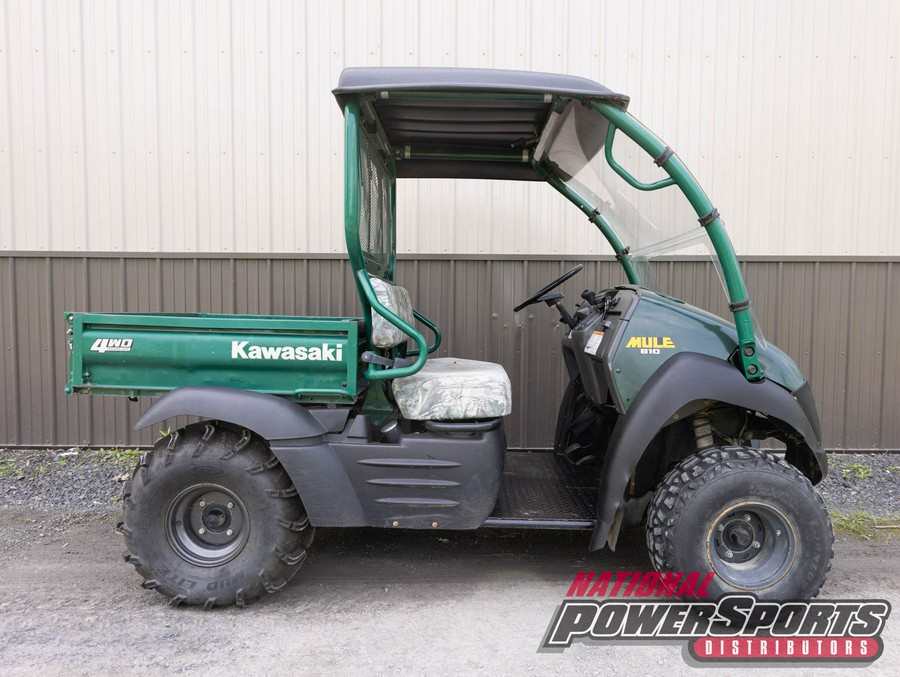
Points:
x=211, y=518
x=749, y=517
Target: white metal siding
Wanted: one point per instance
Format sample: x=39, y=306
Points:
x=173, y=126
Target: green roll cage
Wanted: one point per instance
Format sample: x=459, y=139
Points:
x=619, y=120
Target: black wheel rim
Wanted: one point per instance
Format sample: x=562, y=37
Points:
x=752, y=545
x=207, y=525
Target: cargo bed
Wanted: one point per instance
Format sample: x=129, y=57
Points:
x=309, y=359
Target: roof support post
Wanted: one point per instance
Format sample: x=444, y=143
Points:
x=708, y=217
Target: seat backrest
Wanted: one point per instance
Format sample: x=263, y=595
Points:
x=395, y=299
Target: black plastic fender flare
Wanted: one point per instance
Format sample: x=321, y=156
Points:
x=270, y=417
x=683, y=379
x=294, y=434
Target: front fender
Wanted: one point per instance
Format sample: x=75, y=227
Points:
x=270, y=417
x=685, y=379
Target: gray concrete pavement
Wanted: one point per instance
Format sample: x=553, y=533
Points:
x=366, y=602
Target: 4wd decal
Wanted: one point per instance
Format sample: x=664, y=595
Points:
x=242, y=350
x=112, y=345
x=651, y=345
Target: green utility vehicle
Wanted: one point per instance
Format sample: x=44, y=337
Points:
x=347, y=422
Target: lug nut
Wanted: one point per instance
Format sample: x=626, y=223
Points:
x=756, y=545
x=778, y=532
x=729, y=554
x=230, y=505
x=201, y=531
x=202, y=504
x=721, y=527
x=230, y=532
x=746, y=518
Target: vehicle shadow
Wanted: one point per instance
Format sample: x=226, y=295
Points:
x=392, y=557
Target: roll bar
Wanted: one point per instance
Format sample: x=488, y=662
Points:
x=367, y=295
x=619, y=121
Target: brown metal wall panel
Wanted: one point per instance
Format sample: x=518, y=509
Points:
x=8, y=400
x=835, y=318
x=887, y=400
x=864, y=350
x=34, y=372
x=831, y=333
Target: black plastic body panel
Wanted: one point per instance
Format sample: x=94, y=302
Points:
x=679, y=387
x=270, y=417
x=426, y=480
x=591, y=362
x=804, y=397
x=322, y=483
x=593, y=379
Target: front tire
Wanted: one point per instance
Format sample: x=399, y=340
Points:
x=211, y=518
x=752, y=519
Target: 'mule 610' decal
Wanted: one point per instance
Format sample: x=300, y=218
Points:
x=651, y=345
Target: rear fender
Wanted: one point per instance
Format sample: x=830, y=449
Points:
x=295, y=435
x=270, y=417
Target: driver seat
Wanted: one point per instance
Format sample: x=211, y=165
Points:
x=446, y=388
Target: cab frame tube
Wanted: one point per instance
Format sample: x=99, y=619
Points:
x=367, y=297
x=373, y=373
x=734, y=280
x=595, y=218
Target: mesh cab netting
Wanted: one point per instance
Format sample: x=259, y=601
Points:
x=376, y=226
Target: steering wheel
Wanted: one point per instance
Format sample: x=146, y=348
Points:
x=553, y=285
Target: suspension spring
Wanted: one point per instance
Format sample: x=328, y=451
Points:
x=703, y=432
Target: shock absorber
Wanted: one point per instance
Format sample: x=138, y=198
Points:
x=703, y=432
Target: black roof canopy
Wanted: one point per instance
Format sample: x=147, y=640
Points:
x=468, y=118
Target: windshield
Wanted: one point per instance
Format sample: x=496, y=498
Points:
x=655, y=225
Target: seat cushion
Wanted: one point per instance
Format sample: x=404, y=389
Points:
x=450, y=389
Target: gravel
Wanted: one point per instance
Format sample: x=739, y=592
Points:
x=73, y=480
x=866, y=483
x=78, y=480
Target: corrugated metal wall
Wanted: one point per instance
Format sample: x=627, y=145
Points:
x=208, y=126
x=836, y=319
